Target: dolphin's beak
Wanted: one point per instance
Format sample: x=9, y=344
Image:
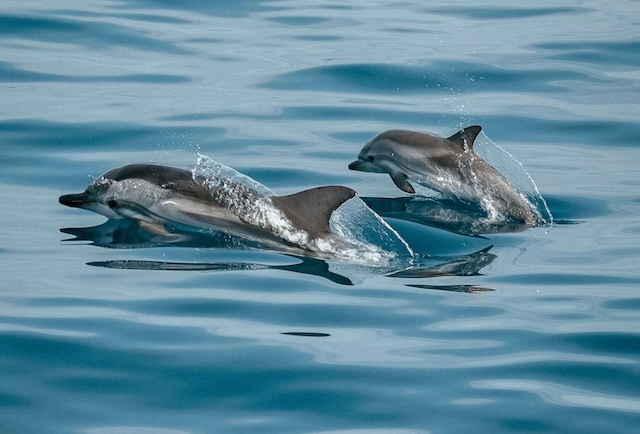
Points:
x=77, y=200
x=89, y=202
x=355, y=165
x=365, y=166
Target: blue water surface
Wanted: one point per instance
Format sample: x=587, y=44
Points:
x=105, y=329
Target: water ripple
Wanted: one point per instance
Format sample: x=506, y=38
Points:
x=434, y=77
x=11, y=74
x=563, y=395
x=289, y=92
x=87, y=34
x=505, y=13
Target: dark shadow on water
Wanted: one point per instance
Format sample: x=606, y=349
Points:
x=307, y=334
x=127, y=234
x=470, y=289
x=575, y=209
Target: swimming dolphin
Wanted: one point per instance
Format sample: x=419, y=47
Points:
x=448, y=165
x=153, y=195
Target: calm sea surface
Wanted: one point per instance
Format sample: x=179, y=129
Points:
x=107, y=332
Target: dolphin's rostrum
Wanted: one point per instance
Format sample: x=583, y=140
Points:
x=447, y=165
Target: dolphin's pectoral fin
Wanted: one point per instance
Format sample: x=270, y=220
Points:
x=310, y=210
x=400, y=180
x=131, y=210
x=466, y=137
x=123, y=208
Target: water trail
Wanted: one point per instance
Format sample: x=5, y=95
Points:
x=504, y=162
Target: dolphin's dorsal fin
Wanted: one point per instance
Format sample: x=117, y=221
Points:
x=466, y=137
x=310, y=210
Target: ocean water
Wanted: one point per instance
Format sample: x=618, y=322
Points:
x=107, y=329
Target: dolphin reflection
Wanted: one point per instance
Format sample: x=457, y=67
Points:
x=126, y=234
x=449, y=214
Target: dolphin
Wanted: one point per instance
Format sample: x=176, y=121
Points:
x=156, y=195
x=448, y=165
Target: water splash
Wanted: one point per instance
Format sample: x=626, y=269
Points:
x=504, y=162
x=249, y=200
x=359, y=234
x=355, y=222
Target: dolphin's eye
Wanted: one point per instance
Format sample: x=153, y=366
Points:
x=370, y=158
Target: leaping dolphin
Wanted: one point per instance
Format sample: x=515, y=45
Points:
x=154, y=195
x=448, y=165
